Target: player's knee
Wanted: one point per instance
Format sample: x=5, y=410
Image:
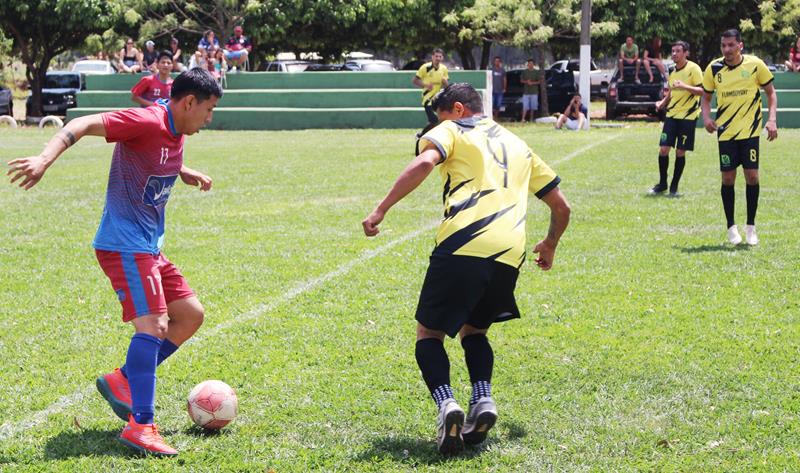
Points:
x=468, y=330
x=664, y=150
x=424, y=332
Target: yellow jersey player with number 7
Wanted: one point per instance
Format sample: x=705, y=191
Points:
x=487, y=172
x=738, y=79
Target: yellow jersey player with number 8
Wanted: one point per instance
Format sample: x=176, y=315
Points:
x=738, y=79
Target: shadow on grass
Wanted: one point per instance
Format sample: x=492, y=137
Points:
x=415, y=450
x=200, y=432
x=88, y=442
x=712, y=248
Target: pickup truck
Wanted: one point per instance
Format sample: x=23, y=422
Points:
x=599, y=79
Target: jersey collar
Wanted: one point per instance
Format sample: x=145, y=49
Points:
x=735, y=65
x=164, y=103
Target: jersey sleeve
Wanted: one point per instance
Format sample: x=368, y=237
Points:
x=543, y=179
x=696, y=76
x=443, y=137
x=141, y=87
x=708, y=80
x=421, y=72
x=445, y=73
x=129, y=124
x=763, y=74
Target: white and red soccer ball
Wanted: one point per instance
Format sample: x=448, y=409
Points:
x=212, y=404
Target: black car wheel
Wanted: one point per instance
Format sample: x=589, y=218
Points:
x=611, y=112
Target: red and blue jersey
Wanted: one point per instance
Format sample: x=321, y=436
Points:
x=147, y=160
x=151, y=88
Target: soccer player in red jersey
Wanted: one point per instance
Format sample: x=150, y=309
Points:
x=155, y=86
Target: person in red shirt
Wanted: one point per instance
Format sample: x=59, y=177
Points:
x=793, y=64
x=156, y=86
x=238, y=48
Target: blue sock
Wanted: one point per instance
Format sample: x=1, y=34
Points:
x=141, y=367
x=167, y=349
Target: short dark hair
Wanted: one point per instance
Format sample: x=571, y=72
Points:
x=198, y=82
x=732, y=33
x=498, y=57
x=683, y=44
x=458, y=92
x=438, y=50
x=530, y=59
x=166, y=54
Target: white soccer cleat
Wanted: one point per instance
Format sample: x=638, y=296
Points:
x=449, y=425
x=750, y=235
x=480, y=419
x=733, y=235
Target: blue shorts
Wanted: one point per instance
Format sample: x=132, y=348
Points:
x=234, y=54
x=530, y=102
x=497, y=100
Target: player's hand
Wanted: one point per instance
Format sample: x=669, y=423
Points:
x=546, y=252
x=711, y=125
x=772, y=130
x=428, y=86
x=31, y=169
x=194, y=178
x=371, y=223
x=678, y=85
x=659, y=105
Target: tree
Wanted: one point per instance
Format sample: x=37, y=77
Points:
x=779, y=27
x=42, y=29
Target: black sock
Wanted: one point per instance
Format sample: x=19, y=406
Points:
x=680, y=163
x=663, y=166
x=480, y=360
x=751, y=192
x=728, y=199
x=434, y=364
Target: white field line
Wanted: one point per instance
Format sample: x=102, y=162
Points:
x=586, y=148
x=11, y=429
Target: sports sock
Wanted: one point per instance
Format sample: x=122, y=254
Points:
x=751, y=192
x=728, y=199
x=167, y=349
x=141, y=367
x=480, y=360
x=663, y=166
x=680, y=163
x=435, y=366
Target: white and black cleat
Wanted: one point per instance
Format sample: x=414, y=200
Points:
x=481, y=418
x=448, y=427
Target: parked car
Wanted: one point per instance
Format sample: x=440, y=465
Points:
x=560, y=90
x=58, y=93
x=324, y=67
x=368, y=65
x=599, y=79
x=284, y=65
x=6, y=101
x=626, y=96
x=93, y=67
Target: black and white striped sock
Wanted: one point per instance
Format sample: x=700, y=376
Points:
x=480, y=389
x=442, y=393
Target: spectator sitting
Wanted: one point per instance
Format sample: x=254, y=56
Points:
x=238, y=48
x=156, y=86
x=177, y=65
x=129, y=58
x=208, y=42
x=149, y=57
x=574, y=115
x=652, y=55
x=217, y=65
x=628, y=55
x=199, y=59
x=793, y=64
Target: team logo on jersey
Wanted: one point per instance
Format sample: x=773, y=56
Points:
x=157, y=190
x=745, y=74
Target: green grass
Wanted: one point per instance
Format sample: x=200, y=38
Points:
x=650, y=346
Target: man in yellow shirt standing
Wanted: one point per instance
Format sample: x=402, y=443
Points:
x=431, y=78
x=487, y=173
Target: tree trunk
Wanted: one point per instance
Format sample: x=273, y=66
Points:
x=467, y=60
x=36, y=75
x=486, y=51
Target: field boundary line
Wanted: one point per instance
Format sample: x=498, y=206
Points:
x=12, y=429
x=586, y=148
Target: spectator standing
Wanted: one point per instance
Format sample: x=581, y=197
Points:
x=499, y=85
x=629, y=55
x=155, y=86
x=793, y=64
x=431, y=77
x=238, y=48
x=129, y=58
x=531, y=78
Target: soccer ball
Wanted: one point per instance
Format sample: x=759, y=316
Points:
x=212, y=404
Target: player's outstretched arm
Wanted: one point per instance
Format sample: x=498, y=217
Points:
x=195, y=178
x=772, y=105
x=665, y=101
x=705, y=106
x=32, y=168
x=413, y=175
x=559, y=219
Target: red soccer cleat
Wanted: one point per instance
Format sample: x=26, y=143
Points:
x=115, y=389
x=145, y=438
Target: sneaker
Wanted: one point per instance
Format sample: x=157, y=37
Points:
x=145, y=438
x=116, y=391
x=733, y=235
x=448, y=426
x=480, y=419
x=750, y=235
x=658, y=188
x=637, y=80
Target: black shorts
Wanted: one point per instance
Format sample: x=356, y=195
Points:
x=678, y=133
x=462, y=290
x=735, y=152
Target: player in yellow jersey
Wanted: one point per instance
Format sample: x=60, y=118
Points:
x=682, y=102
x=431, y=77
x=738, y=79
x=487, y=172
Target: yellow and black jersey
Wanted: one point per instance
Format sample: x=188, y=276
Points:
x=487, y=172
x=684, y=105
x=738, y=95
x=430, y=75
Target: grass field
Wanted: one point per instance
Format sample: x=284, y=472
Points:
x=651, y=346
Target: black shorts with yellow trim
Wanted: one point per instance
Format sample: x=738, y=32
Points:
x=677, y=133
x=733, y=153
x=461, y=290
